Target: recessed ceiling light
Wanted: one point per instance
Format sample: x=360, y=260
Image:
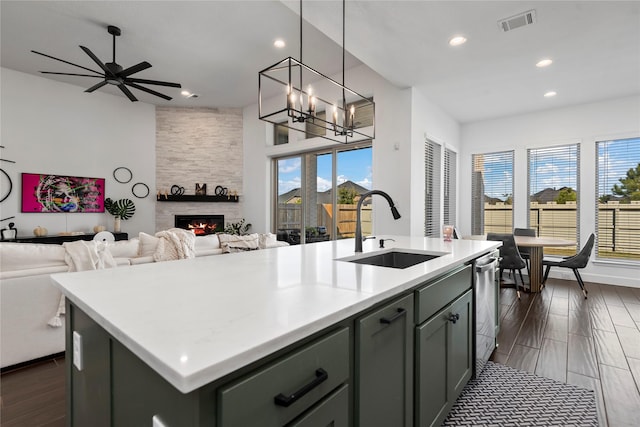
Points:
x=185, y=93
x=457, y=40
x=544, y=63
x=279, y=43
x=550, y=94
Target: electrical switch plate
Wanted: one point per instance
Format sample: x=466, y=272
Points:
x=157, y=422
x=77, y=350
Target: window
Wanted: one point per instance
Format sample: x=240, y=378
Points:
x=492, y=193
x=553, y=193
x=432, y=189
x=618, y=199
x=450, y=159
x=312, y=187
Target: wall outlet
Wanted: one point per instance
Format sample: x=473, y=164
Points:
x=77, y=351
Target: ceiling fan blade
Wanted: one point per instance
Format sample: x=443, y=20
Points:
x=152, y=82
x=134, y=69
x=100, y=76
x=66, y=62
x=152, y=92
x=127, y=92
x=97, y=86
x=97, y=61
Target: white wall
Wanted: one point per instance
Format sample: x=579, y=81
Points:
x=51, y=127
x=584, y=124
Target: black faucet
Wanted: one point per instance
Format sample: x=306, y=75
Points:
x=394, y=212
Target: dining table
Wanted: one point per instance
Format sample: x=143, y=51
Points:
x=536, y=254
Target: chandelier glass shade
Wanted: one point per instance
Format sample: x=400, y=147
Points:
x=295, y=96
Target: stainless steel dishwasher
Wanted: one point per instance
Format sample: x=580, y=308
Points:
x=486, y=293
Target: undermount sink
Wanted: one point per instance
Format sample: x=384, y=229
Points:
x=394, y=258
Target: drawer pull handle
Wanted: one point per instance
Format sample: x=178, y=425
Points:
x=389, y=320
x=286, y=401
x=453, y=318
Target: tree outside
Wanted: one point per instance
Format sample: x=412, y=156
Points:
x=566, y=195
x=346, y=196
x=629, y=188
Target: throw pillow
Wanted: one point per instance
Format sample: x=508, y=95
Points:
x=267, y=240
x=124, y=248
x=231, y=243
x=148, y=244
x=209, y=241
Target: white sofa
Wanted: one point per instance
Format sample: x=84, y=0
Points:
x=28, y=299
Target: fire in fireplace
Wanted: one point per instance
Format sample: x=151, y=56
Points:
x=200, y=224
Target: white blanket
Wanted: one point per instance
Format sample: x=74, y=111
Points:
x=175, y=243
x=82, y=256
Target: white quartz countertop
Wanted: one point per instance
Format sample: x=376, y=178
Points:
x=194, y=321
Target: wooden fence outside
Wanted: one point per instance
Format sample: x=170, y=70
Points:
x=618, y=225
x=290, y=218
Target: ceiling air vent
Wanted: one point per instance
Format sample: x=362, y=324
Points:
x=517, y=21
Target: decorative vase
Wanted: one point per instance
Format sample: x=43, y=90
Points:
x=116, y=225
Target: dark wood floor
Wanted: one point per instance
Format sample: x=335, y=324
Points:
x=592, y=343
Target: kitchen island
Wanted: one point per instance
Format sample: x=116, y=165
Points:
x=197, y=342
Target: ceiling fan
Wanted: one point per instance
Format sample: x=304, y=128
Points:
x=113, y=73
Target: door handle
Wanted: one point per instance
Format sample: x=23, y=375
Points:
x=286, y=401
x=389, y=320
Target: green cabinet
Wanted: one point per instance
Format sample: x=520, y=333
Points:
x=444, y=357
x=384, y=365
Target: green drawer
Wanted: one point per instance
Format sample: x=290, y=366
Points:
x=333, y=411
x=251, y=401
x=435, y=295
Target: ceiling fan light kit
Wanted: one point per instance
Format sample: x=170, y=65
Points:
x=113, y=73
x=294, y=95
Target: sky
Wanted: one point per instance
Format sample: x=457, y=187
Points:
x=556, y=168
x=353, y=165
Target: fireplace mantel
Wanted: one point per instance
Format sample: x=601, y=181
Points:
x=195, y=198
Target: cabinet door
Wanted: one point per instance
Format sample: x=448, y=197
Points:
x=444, y=360
x=460, y=354
x=384, y=366
x=432, y=398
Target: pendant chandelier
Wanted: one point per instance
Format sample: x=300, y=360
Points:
x=294, y=95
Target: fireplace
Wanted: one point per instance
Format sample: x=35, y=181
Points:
x=200, y=224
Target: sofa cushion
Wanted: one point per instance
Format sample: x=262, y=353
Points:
x=141, y=260
x=12, y=274
x=23, y=256
x=209, y=241
x=231, y=243
x=124, y=248
x=207, y=252
x=267, y=240
x=148, y=244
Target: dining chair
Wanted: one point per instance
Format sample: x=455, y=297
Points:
x=525, y=252
x=575, y=262
x=510, y=258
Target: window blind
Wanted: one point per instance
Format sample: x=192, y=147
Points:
x=449, y=205
x=492, y=193
x=618, y=199
x=432, y=169
x=553, y=193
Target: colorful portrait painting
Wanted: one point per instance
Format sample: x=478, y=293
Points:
x=57, y=193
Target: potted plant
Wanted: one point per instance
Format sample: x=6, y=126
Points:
x=120, y=209
x=238, y=228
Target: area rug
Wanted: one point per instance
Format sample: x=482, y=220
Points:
x=503, y=396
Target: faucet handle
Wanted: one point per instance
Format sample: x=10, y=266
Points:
x=368, y=237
